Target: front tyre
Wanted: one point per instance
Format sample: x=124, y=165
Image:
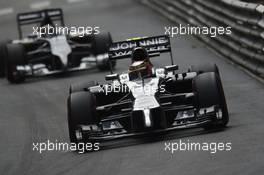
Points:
x=205, y=68
x=81, y=111
x=101, y=43
x=209, y=92
x=16, y=56
x=3, y=56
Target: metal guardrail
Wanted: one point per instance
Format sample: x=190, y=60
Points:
x=245, y=46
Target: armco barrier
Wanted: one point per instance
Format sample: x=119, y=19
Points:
x=245, y=46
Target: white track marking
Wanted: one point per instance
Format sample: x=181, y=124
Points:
x=6, y=11
x=74, y=1
x=40, y=5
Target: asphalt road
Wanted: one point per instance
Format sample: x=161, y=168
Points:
x=36, y=111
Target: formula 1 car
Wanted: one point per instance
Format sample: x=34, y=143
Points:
x=145, y=99
x=51, y=53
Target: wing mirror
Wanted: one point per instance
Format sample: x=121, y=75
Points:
x=171, y=68
x=111, y=77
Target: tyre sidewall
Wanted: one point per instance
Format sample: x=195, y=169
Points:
x=209, y=91
x=81, y=111
x=3, y=56
x=15, y=56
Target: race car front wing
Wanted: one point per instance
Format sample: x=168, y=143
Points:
x=114, y=130
x=42, y=70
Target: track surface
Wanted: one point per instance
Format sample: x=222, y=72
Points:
x=36, y=111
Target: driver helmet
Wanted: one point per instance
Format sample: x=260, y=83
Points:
x=140, y=65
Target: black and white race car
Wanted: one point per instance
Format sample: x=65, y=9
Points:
x=51, y=53
x=146, y=99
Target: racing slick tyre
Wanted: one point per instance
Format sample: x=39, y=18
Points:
x=101, y=44
x=3, y=56
x=15, y=56
x=81, y=111
x=204, y=68
x=82, y=86
x=209, y=92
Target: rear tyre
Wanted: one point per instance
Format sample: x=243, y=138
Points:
x=81, y=111
x=209, y=92
x=15, y=57
x=3, y=57
x=81, y=86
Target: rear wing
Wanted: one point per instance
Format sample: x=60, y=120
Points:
x=42, y=16
x=154, y=45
